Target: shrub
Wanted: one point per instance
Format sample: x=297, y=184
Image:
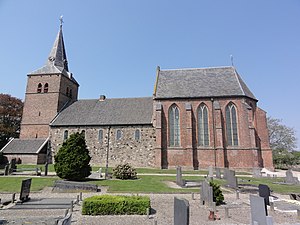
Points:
x=115, y=205
x=218, y=196
x=124, y=172
x=72, y=159
x=3, y=159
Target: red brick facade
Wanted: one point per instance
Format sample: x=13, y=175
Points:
x=252, y=151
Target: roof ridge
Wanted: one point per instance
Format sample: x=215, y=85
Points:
x=203, y=68
x=93, y=99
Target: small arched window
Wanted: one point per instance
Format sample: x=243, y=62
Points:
x=46, y=86
x=100, y=136
x=137, y=135
x=66, y=134
x=203, y=133
x=231, y=125
x=67, y=92
x=174, y=126
x=119, y=134
x=83, y=133
x=39, y=88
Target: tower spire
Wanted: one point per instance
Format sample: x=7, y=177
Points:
x=58, y=56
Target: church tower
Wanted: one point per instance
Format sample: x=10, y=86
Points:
x=49, y=90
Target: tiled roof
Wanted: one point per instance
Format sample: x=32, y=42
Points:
x=119, y=111
x=24, y=146
x=203, y=82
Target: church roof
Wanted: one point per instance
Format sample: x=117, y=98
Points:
x=24, y=146
x=119, y=111
x=202, y=82
x=57, y=62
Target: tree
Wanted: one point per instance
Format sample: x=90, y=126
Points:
x=11, y=109
x=72, y=159
x=281, y=136
x=283, y=142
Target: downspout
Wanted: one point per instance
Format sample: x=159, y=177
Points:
x=107, y=153
x=214, y=130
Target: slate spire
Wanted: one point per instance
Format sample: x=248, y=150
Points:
x=58, y=56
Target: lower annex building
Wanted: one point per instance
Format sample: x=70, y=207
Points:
x=196, y=118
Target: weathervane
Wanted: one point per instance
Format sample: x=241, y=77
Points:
x=61, y=20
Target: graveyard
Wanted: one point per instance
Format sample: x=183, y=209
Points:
x=176, y=197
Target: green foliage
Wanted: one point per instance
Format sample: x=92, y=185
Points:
x=218, y=196
x=116, y=205
x=11, y=109
x=283, y=159
x=72, y=160
x=3, y=159
x=124, y=172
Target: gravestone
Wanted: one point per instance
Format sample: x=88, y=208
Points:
x=231, y=179
x=206, y=194
x=258, y=216
x=290, y=179
x=179, y=180
x=66, y=186
x=13, y=166
x=6, y=170
x=218, y=173
x=264, y=192
x=181, y=211
x=225, y=174
x=210, y=172
x=256, y=172
x=25, y=190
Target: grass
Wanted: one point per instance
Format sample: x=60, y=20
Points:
x=13, y=184
x=41, y=166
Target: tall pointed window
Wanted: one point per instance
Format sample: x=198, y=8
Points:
x=174, y=126
x=46, y=86
x=39, y=88
x=203, y=133
x=231, y=125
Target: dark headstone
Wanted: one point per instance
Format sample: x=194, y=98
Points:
x=62, y=185
x=25, y=190
x=181, y=212
x=6, y=170
x=257, y=206
x=264, y=192
x=46, y=168
x=218, y=173
x=13, y=166
x=179, y=180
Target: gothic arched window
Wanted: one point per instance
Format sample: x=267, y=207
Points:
x=39, y=88
x=231, y=125
x=174, y=126
x=46, y=86
x=203, y=133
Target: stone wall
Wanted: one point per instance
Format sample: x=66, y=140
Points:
x=139, y=153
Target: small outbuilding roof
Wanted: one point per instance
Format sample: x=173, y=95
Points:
x=118, y=111
x=202, y=82
x=24, y=146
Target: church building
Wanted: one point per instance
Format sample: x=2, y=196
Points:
x=195, y=118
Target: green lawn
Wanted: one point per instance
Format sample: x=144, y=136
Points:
x=41, y=166
x=13, y=184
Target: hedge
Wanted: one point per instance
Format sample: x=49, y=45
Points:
x=116, y=205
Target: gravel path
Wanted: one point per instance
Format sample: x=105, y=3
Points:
x=162, y=211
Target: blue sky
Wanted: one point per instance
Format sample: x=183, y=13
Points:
x=114, y=47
